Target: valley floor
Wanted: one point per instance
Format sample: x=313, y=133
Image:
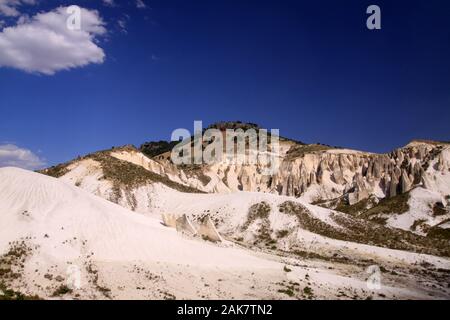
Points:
x=253, y=275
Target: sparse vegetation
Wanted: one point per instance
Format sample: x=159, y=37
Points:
x=155, y=148
x=282, y=233
x=363, y=231
x=93, y=272
x=357, y=208
x=316, y=256
x=379, y=220
x=300, y=150
x=287, y=292
x=10, y=294
x=196, y=171
x=374, y=210
x=56, y=171
x=373, y=234
x=398, y=205
x=260, y=211
x=61, y=290
x=290, y=288
x=417, y=223
x=12, y=262
x=128, y=175
x=11, y=269
x=307, y=291
x=233, y=125
x=306, y=219
x=123, y=174
x=438, y=232
x=257, y=211
x=439, y=209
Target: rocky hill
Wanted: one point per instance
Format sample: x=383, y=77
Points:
x=326, y=208
x=341, y=179
x=58, y=241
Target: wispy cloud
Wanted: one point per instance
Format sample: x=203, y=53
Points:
x=44, y=43
x=13, y=156
x=9, y=8
x=122, y=23
x=141, y=4
x=109, y=3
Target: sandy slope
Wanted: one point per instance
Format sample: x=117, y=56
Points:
x=420, y=203
x=232, y=210
x=89, y=175
x=121, y=254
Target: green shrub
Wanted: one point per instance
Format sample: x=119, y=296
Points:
x=61, y=290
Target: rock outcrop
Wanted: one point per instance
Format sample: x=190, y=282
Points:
x=311, y=172
x=330, y=173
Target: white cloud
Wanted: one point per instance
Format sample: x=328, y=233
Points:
x=109, y=3
x=122, y=23
x=9, y=7
x=13, y=156
x=44, y=44
x=141, y=4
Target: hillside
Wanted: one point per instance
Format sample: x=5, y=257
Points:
x=339, y=178
x=326, y=207
x=52, y=233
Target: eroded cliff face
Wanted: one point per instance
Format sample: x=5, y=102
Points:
x=311, y=172
x=345, y=180
x=330, y=173
x=342, y=172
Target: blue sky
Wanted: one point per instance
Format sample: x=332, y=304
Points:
x=313, y=70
